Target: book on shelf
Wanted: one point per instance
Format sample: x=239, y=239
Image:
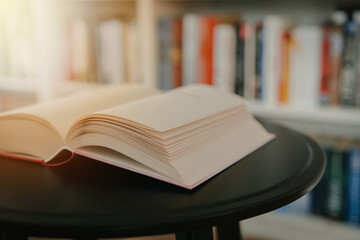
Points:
x=191, y=45
x=353, y=188
x=224, y=57
x=81, y=51
x=111, y=51
x=165, y=47
x=278, y=60
x=335, y=198
x=184, y=136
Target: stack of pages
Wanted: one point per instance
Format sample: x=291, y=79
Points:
x=184, y=136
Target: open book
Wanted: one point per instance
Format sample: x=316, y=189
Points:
x=184, y=136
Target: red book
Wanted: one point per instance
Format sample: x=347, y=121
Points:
x=207, y=24
x=325, y=67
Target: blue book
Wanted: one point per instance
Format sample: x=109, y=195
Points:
x=353, y=190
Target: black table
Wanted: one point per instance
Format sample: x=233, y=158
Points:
x=88, y=199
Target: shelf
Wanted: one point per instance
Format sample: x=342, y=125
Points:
x=15, y=84
x=337, y=121
x=332, y=115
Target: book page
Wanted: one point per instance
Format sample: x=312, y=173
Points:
x=63, y=112
x=176, y=108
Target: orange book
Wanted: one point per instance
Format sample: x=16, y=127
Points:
x=176, y=52
x=206, y=49
x=285, y=65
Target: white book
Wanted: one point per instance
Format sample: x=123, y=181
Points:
x=224, y=57
x=273, y=27
x=111, y=52
x=131, y=53
x=80, y=55
x=305, y=84
x=190, y=39
x=184, y=136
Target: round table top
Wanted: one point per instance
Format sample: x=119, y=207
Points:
x=85, y=197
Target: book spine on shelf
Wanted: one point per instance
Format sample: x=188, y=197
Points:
x=325, y=67
x=335, y=205
x=285, y=65
x=353, y=190
x=259, y=62
x=336, y=50
x=190, y=39
x=130, y=52
x=165, y=46
x=250, y=49
x=224, y=55
x=348, y=71
x=176, y=52
x=207, y=26
x=272, y=28
x=111, y=49
x=239, y=72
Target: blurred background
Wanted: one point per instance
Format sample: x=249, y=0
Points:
x=297, y=63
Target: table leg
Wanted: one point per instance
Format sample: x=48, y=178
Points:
x=198, y=234
x=229, y=231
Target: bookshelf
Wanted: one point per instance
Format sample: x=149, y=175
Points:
x=50, y=28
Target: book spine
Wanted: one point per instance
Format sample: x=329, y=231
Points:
x=239, y=73
x=176, y=52
x=285, y=60
x=259, y=63
x=208, y=24
x=336, y=51
x=348, y=71
x=311, y=66
x=325, y=67
x=224, y=55
x=336, y=185
x=356, y=18
x=353, y=190
x=272, y=28
x=165, y=45
x=249, y=72
x=111, y=52
x=130, y=52
x=191, y=46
